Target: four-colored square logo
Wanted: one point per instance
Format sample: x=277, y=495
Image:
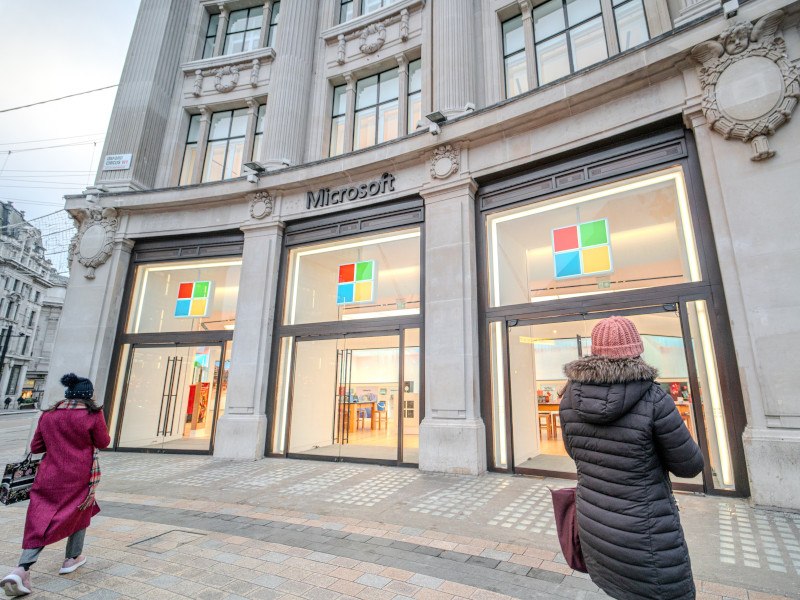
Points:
x=193, y=298
x=356, y=282
x=582, y=249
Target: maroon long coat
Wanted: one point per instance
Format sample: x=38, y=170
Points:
x=69, y=437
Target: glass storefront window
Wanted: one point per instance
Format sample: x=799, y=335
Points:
x=498, y=396
x=710, y=394
x=282, y=395
x=631, y=234
x=185, y=296
x=358, y=278
x=411, y=396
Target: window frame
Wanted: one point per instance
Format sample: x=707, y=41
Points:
x=507, y=55
x=214, y=18
x=413, y=93
x=229, y=33
x=614, y=8
x=376, y=108
x=227, y=140
x=274, y=18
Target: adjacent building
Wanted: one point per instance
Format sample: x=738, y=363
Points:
x=375, y=230
x=31, y=296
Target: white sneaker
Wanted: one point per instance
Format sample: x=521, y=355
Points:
x=72, y=564
x=17, y=583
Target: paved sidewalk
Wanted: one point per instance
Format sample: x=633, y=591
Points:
x=196, y=527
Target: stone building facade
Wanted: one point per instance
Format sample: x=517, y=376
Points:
x=376, y=230
x=31, y=295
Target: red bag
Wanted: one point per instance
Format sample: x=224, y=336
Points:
x=567, y=527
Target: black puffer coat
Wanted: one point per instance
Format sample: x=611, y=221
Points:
x=624, y=433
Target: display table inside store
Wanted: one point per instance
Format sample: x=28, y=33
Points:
x=548, y=411
x=354, y=408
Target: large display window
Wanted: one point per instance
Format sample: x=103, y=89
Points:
x=367, y=277
x=185, y=296
x=349, y=387
x=626, y=234
x=173, y=357
x=623, y=236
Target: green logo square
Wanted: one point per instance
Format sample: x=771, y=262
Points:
x=594, y=233
x=364, y=271
x=200, y=289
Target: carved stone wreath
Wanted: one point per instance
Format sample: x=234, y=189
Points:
x=231, y=71
x=372, y=38
x=444, y=161
x=749, y=86
x=261, y=205
x=93, y=243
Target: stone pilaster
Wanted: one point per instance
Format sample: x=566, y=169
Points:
x=453, y=56
x=202, y=144
x=144, y=97
x=402, y=66
x=290, y=87
x=87, y=328
x=252, y=115
x=350, y=115
x=267, y=18
x=241, y=431
x=222, y=28
x=452, y=434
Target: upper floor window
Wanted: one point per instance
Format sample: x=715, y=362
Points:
x=569, y=35
x=244, y=30
x=338, y=117
x=273, y=23
x=514, y=57
x=377, y=109
x=414, y=94
x=211, y=36
x=349, y=9
x=221, y=142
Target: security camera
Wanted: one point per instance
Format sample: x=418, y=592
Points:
x=730, y=8
x=435, y=119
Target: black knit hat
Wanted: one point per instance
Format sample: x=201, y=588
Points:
x=78, y=388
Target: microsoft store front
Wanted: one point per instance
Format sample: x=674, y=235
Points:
x=621, y=231
x=347, y=374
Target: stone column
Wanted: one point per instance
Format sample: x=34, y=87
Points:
x=530, y=44
x=286, y=115
x=85, y=337
x=252, y=114
x=144, y=101
x=265, y=21
x=350, y=115
x=402, y=95
x=452, y=434
x=242, y=430
x=454, y=84
x=202, y=143
x=694, y=9
x=222, y=28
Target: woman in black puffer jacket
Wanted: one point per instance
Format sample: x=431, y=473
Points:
x=625, y=434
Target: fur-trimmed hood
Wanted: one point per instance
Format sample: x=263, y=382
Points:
x=603, y=370
x=603, y=389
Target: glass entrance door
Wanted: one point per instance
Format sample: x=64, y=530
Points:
x=528, y=431
x=354, y=397
x=171, y=398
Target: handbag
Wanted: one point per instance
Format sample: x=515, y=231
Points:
x=18, y=480
x=567, y=527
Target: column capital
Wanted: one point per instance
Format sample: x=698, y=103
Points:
x=223, y=10
x=440, y=191
x=402, y=61
x=203, y=111
x=349, y=79
x=252, y=104
x=527, y=8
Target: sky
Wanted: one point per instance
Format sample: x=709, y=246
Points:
x=49, y=49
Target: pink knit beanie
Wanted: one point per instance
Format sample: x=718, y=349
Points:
x=616, y=337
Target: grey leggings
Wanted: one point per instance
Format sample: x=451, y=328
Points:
x=74, y=549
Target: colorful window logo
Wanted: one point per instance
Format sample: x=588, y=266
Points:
x=356, y=282
x=582, y=249
x=193, y=299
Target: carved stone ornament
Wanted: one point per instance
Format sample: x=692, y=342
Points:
x=372, y=38
x=93, y=244
x=749, y=86
x=229, y=71
x=444, y=162
x=340, y=49
x=261, y=205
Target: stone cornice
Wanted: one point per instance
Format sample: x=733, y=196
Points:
x=352, y=29
x=241, y=58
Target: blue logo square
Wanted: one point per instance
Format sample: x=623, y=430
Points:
x=345, y=293
x=568, y=264
x=182, y=308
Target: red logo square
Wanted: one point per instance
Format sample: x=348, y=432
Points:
x=347, y=273
x=185, y=290
x=565, y=238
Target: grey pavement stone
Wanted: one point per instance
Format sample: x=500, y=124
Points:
x=425, y=581
x=101, y=595
x=456, y=556
x=429, y=550
x=371, y=580
x=490, y=563
x=508, y=567
x=269, y=581
x=545, y=575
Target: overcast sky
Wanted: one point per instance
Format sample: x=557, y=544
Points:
x=48, y=49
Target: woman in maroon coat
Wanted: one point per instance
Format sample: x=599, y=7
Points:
x=62, y=497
